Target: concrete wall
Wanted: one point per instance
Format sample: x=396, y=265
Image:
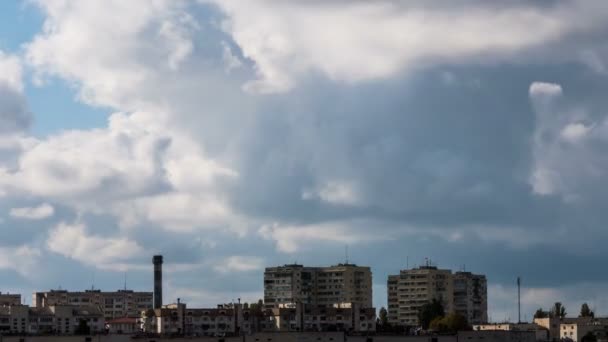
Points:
x=278, y=337
x=295, y=337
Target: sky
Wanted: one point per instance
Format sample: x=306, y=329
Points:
x=231, y=135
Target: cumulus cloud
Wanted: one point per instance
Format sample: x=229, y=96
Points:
x=362, y=40
x=73, y=241
x=361, y=150
x=22, y=259
x=238, y=263
x=566, y=147
x=14, y=113
x=291, y=239
x=40, y=212
x=538, y=89
x=336, y=192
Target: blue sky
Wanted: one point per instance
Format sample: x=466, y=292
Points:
x=234, y=135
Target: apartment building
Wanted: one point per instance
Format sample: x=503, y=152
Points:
x=56, y=319
x=471, y=296
x=8, y=299
x=116, y=304
x=311, y=317
x=413, y=288
x=179, y=319
x=325, y=286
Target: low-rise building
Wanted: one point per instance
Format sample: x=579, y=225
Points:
x=575, y=329
x=234, y=319
x=498, y=336
x=178, y=319
x=57, y=319
x=540, y=333
x=8, y=299
x=306, y=317
x=124, y=325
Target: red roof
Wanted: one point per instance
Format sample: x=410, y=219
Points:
x=123, y=320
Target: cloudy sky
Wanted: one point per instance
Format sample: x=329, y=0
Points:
x=232, y=135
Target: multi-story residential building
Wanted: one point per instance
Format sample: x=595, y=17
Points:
x=178, y=319
x=56, y=319
x=413, y=288
x=311, y=317
x=234, y=319
x=471, y=296
x=8, y=299
x=325, y=286
x=117, y=304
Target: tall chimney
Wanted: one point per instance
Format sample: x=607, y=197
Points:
x=157, y=260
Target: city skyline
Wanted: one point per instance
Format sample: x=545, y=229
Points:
x=229, y=135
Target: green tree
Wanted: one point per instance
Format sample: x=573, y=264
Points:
x=451, y=323
x=589, y=337
x=586, y=311
x=540, y=313
x=383, y=317
x=558, y=311
x=429, y=311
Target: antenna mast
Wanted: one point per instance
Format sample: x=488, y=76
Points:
x=346, y=254
x=518, y=300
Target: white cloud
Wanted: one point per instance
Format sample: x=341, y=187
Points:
x=21, y=259
x=567, y=157
x=178, y=212
x=40, y=212
x=230, y=60
x=574, y=132
x=73, y=241
x=291, y=238
x=14, y=113
x=11, y=71
x=538, y=89
x=335, y=192
x=123, y=61
x=368, y=40
x=238, y=263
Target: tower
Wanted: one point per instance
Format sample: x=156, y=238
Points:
x=157, y=260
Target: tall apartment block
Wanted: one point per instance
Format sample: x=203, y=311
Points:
x=8, y=299
x=462, y=292
x=118, y=304
x=325, y=286
x=471, y=296
x=413, y=288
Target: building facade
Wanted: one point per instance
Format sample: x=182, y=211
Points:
x=235, y=320
x=8, y=299
x=55, y=319
x=324, y=286
x=471, y=296
x=413, y=288
x=310, y=317
x=117, y=304
x=540, y=333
